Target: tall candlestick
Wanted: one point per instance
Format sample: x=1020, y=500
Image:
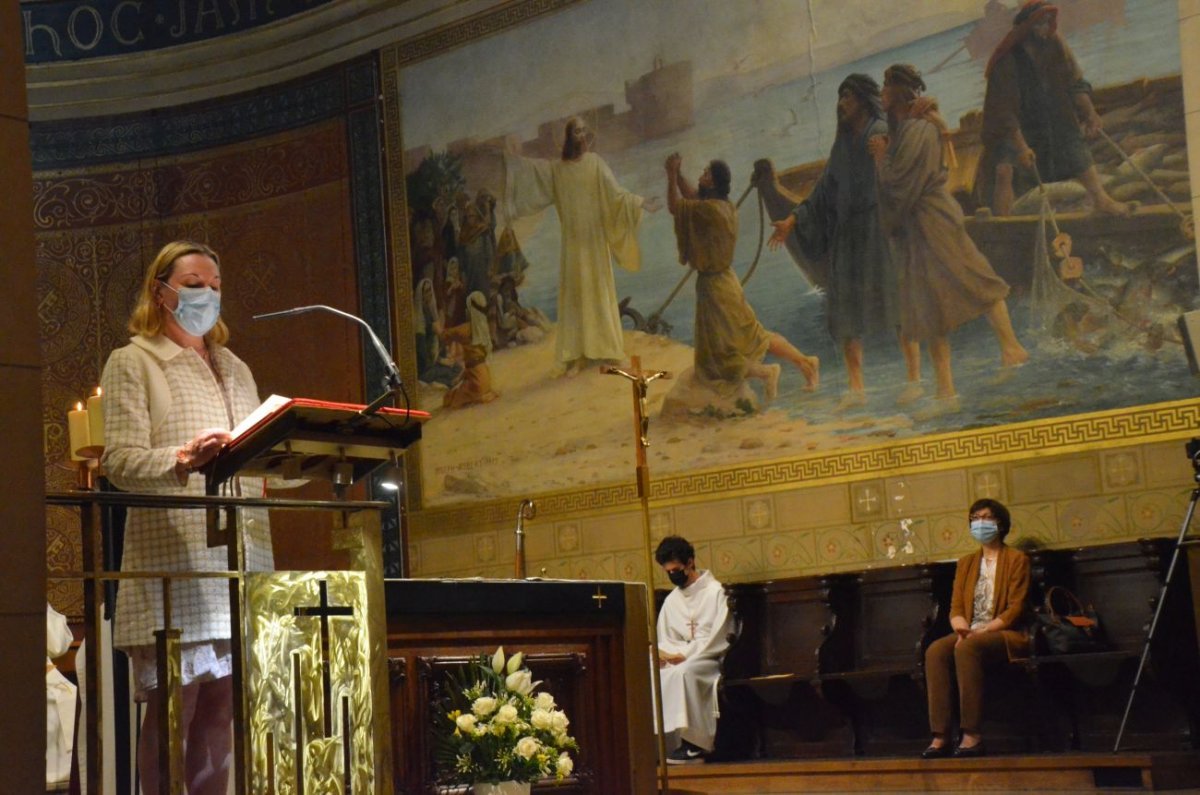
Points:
x=77, y=430
x=95, y=419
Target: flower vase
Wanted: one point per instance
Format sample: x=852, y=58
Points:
x=502, y=788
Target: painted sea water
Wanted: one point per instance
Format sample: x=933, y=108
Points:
x=793, y=123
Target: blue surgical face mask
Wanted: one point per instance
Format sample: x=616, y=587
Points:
x=984, y=530
x=199, y=309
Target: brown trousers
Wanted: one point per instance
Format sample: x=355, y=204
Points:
x=968, y=660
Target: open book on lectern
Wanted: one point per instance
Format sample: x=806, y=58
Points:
x=306, y=438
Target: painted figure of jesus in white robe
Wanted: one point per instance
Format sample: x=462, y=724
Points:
x=694, y=623
x=599, y=223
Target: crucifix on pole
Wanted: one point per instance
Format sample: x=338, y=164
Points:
x=641, y=379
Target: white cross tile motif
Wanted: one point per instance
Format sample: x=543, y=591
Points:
x=568, y=538
x=758, y=514
x=1121, y=469
x=987, y=484
x=867, y=499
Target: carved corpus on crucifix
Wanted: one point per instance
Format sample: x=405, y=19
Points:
x=641, y=380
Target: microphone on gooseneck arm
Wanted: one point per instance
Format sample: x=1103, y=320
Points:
x=391, y=381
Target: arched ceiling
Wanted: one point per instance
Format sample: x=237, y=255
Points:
x=236, y=61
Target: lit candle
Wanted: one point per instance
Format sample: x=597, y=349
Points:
x=95, y=420
x=77, y=430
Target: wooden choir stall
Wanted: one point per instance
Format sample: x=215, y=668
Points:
x=824, y=684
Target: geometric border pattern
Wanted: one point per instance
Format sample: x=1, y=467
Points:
x=398, y=245
x=1057, y=436
x=1006, y=442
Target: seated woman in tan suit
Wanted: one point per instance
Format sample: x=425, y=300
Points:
x=988, y=615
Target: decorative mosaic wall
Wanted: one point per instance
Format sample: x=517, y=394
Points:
x=284, y=185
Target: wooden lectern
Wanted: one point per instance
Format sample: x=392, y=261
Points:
x=311, y=659
x=305, y=438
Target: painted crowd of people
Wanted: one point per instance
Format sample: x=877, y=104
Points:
x=465, y=301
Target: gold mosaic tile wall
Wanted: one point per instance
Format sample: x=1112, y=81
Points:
x=1077, y=499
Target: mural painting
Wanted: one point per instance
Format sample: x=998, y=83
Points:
x=980, y=218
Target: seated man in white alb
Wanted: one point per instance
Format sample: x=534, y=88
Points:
x=60, y=703
x=693, y=629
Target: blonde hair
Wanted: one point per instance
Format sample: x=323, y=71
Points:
x=147, y=316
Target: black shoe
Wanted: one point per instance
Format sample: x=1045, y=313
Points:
x=974, y=752
x=686, y=754
x=936, y=752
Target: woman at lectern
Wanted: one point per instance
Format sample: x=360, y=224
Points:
x=988, y=614
x=170, y=398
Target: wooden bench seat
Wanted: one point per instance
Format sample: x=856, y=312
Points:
x=850, y=648
x=891, y=617
x=772, y=672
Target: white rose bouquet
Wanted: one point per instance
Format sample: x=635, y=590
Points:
x=497, y=728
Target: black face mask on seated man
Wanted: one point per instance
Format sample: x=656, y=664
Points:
x=678, y=577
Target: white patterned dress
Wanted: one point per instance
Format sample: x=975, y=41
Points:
x=985, y=593
x=147, y=418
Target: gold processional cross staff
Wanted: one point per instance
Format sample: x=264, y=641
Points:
x=641, y=379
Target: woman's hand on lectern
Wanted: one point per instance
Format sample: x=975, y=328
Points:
x=203, y=448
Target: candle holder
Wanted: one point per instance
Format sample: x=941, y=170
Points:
x=88, y=469
x=91, y=451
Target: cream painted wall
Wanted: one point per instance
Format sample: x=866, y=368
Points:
x=1072, y=500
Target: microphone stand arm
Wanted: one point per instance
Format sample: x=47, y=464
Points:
x=391, y=380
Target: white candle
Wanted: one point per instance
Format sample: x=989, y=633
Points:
x=95, y=420
x=77, y=430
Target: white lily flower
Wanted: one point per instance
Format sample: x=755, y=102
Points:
x=520, y=682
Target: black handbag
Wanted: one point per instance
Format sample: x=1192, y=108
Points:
x=1073, y=630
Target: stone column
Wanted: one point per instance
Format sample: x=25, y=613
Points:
x=22, y=515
